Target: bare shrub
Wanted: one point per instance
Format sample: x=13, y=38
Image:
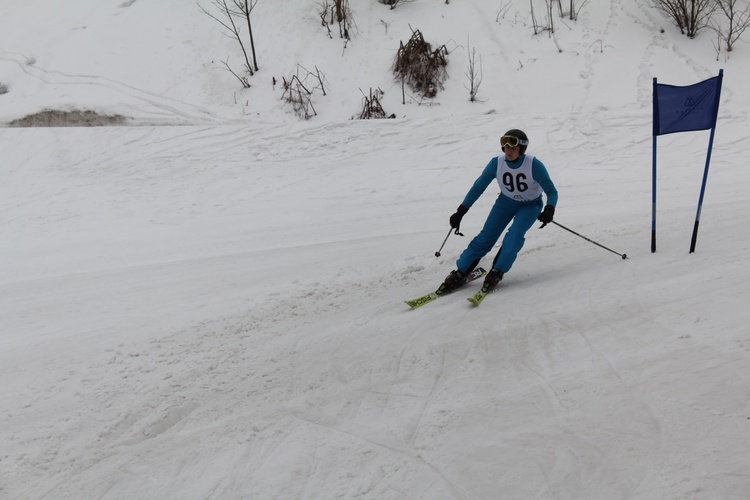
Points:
x=572, y=13
x=421, y=67
x=338, y=12
x=737, y=21
x=74, y=118
x=371, y=107
x=3, y=89
x=549, y=8
x=550, y=26
x=296, y=94
x=503, y=10
x=299, y=89
x=690, y=16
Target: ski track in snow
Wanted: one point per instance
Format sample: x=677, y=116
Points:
x=142, y=108
x=391, y=389
x=394, y=414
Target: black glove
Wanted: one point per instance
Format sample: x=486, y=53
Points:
x=546, y=216
x=455, y=219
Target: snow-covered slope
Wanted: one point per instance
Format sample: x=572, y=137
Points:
x=209, y=303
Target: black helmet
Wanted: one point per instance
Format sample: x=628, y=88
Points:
x=519, y=138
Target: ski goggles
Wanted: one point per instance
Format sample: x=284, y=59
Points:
x=512, y=141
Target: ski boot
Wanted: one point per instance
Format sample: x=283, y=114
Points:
x=454, y=280
x=492, y=279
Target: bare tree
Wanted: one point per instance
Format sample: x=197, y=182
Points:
x=738, y=20
x=227, y=19
x=473, y=73
x=691, y=16
x=245, y=7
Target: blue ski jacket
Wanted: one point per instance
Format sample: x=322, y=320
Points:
x=489, y=174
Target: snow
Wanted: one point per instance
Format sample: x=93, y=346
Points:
x=208, y=302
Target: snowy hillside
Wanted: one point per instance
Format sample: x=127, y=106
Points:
x=208, y=301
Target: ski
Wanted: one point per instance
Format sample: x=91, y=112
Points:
x=426, y=299
x=478, y=297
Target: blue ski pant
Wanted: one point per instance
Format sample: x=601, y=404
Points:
x=505, y=210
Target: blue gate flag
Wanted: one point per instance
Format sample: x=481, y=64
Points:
x=682, y=109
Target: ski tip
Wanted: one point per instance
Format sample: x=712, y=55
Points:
x=476, y=299
x=419, y=302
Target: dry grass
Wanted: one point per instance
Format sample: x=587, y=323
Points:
x=422, y=68
x=75, y=118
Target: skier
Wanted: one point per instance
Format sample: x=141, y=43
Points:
x=522, y=179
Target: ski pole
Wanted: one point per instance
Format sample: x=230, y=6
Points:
x=624, y=256
x=437, y=254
